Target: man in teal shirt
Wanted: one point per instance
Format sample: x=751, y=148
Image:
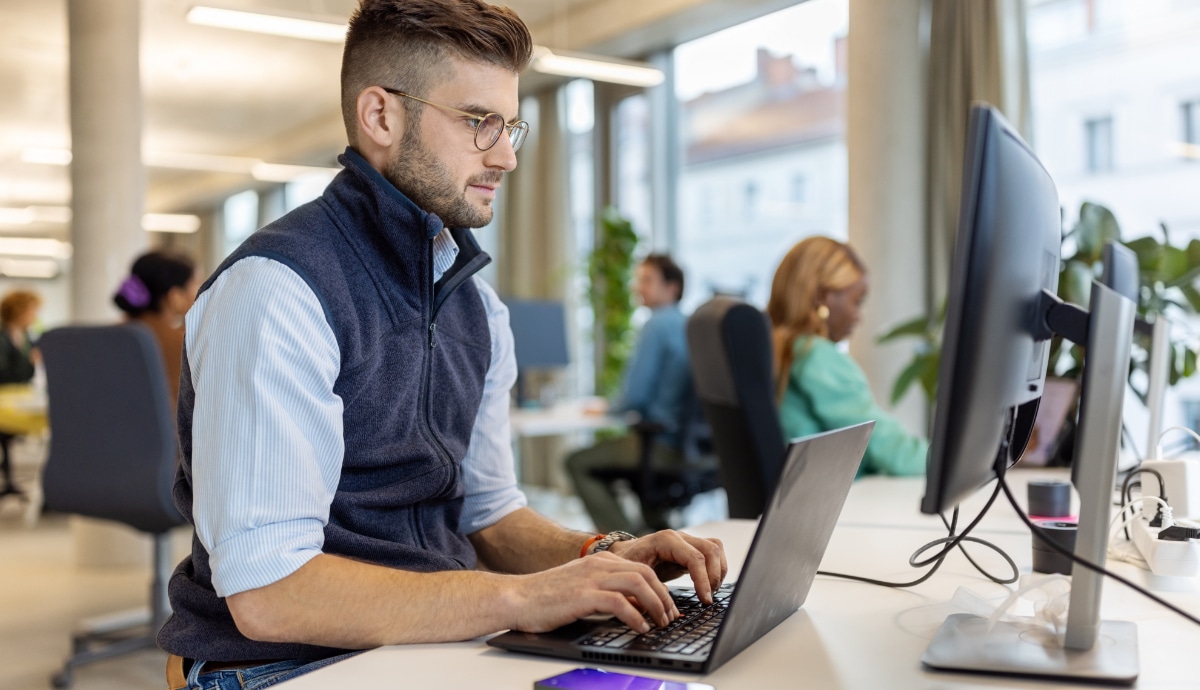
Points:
x=656, y=387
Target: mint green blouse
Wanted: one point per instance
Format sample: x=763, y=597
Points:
x=827, y=390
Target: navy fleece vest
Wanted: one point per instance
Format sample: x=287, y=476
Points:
x=413, y=361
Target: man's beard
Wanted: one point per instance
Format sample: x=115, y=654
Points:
x=425, y=180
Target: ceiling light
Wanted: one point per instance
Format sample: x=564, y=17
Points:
x=29, y=268
x=544, y=60
x=35, y=246
x=170, y=222
x=595, y=68
x=236, y=165
x=200, y=161
x=276, y=25
x=35, y=214
x=46, y=156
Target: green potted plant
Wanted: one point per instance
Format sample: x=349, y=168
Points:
x=1167, y=276
x=610, y=275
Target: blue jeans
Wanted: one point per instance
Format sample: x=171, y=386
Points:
x=255, y=677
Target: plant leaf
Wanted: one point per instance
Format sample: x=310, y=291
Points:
x=906, y=378
x=918, y=326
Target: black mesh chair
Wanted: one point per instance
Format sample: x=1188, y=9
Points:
x=113, y=455
x=729, y=343
x=660, y=490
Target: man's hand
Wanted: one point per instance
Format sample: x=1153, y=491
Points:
x=671, y=554
x=598, y=584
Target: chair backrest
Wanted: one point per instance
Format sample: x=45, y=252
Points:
x=113, y=448
x=729, y=343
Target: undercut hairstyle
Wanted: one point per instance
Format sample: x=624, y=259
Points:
x=670, y=271
x=406, y=45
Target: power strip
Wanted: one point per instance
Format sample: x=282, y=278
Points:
x=1178, y=558
x=1182, y=478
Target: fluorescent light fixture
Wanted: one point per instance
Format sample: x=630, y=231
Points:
x=35, y=246
x=29, y=215
x=278, y=172
x=46, y=156
x=29, y=268
x=276, y=25
x=544, y=60
x=235, y=165
x=170, y=222
x=595, y=68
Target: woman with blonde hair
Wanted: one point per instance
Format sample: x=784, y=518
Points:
x=816, y=298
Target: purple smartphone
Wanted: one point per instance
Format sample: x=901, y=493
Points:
x=597, y=679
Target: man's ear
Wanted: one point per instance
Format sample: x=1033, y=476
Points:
x=380, y=119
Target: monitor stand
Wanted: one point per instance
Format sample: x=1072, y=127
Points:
x=1094, y=650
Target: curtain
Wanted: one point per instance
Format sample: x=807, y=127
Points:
x=976, y=52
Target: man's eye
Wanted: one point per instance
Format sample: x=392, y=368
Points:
x=474, y=122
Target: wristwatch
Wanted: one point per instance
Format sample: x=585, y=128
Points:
x=611, y=538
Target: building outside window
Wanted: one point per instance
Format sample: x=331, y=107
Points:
x=1190, y=110
x=1110, y=82
x=1099, y=133
x=762, y=119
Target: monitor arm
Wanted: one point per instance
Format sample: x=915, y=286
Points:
x=1060, y=318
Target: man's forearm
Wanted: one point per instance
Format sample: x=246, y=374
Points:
x=525, y=542
x=337, y=602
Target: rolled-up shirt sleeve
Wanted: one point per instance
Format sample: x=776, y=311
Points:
x=488, y=473
x=267, y=443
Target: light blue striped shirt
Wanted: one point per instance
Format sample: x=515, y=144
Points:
x=267, y=443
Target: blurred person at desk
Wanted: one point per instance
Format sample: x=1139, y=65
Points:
x=816, y=295
x=157, y=293
x=344, y=398
x=655, y=389
x=18, y=356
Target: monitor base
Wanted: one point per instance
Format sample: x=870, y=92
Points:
x=964, y=644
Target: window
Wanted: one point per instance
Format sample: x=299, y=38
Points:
x=799, y=189
x=239, y=218
x=1099, y=144
x=1190, y=111
x=761, y=118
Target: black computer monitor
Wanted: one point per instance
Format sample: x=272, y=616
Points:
x=1001, y=314
x=539, y=337
x=1007, y=252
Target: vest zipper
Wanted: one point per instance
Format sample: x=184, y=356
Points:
x=477, y=262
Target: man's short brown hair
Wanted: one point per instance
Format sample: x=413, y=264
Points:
x=670, y=271
x=405, y=44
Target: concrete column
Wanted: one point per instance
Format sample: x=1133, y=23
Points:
x=886, y=151
x=108, y=186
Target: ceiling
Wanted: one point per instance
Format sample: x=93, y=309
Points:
x=222, y=92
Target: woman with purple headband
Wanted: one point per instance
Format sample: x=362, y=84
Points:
x=157, y=293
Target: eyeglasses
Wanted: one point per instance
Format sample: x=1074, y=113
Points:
x=487, y=127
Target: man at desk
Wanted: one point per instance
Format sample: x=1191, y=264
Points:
x=656, y=387
x=344, y=396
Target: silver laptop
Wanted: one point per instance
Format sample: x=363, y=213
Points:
x=779, y=570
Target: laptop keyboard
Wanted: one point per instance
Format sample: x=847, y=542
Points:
x=691, y=633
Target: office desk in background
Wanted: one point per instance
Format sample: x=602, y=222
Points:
x=847, y=635
x=566, y=417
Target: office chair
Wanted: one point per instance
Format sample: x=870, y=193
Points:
x=729, y=344
x=660, y=490
x=113, y=455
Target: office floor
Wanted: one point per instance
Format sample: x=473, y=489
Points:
x=43, y=594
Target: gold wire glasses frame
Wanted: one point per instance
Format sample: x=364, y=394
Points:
x=487, y=127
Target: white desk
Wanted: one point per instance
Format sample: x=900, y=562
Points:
x=847, y=635
x=561, y=418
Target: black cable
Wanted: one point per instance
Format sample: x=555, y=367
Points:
x=951, y=541
x=1127, y=497
x=1086, y=563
